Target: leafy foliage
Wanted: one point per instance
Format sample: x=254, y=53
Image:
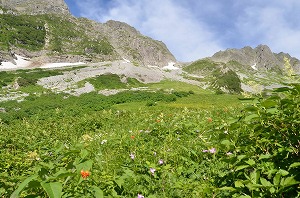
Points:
x=265, y=162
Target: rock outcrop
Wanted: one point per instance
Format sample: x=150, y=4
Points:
x=260, y=58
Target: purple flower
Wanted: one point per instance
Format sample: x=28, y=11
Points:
x=212, y=150
x=140, y=196
x=205, y=151
x=152, y=170
x=160, y=161
x=132, y=156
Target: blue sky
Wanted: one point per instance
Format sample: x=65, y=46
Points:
x=194, y=29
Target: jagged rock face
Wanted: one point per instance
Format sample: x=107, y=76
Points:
x=132, y=45
x=36, y=6
x=260, y=57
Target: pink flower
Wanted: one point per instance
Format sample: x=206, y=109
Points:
x=132, y=156
x=140, y=196
x=152, y=171
x=212, y=150
x=160, y=161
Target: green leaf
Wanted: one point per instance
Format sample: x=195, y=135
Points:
x=98, y=193
x=238, y=184
x=53, y=189
x=251, y=162
x=120, y=181
x=272, y=190
x=283, y=172
x=266, y=156
x=62, y=173
x=227, y=188
x=251, y=108
x=250, y=117
x=240, y=157
x=295, y=164
x=265, y=182
x=289, y=181
x=226, y=142
x=16, y=193
x=254, y=176
x=86, y=165
x=268, y=103
x=276, y=179
x=84, y=153
x=241, y=167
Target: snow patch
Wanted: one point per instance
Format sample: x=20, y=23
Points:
x=21, y=62
x=254, y=67
x=53, y=65
x=170, y=66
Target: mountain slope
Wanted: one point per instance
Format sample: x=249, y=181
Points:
x=34, y=31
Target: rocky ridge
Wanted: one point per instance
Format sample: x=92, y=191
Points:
x=259, y=58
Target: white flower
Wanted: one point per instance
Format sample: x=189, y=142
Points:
x=103, y=141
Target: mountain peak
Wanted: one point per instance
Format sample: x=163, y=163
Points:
x=34, y=7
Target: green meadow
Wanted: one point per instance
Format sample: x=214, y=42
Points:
x=173, y=140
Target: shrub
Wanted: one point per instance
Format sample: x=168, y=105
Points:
x=266, y=161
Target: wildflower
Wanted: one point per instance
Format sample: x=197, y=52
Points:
x=140, y=196
x=228, y=153
x=157, y=121
x=132, y=137
x=209, y=120
x=132, y=156
x=212, y=150
x=103, y=141
x=33, y=155
x=87, y=138
x=152, y=171
x=226, y=132
x=84, y=174
x=160, y=161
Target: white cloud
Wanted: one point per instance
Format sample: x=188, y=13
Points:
x=272, y=25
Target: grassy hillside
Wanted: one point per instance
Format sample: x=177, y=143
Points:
x=64, y=35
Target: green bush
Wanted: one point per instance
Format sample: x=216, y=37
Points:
x=264, y=143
